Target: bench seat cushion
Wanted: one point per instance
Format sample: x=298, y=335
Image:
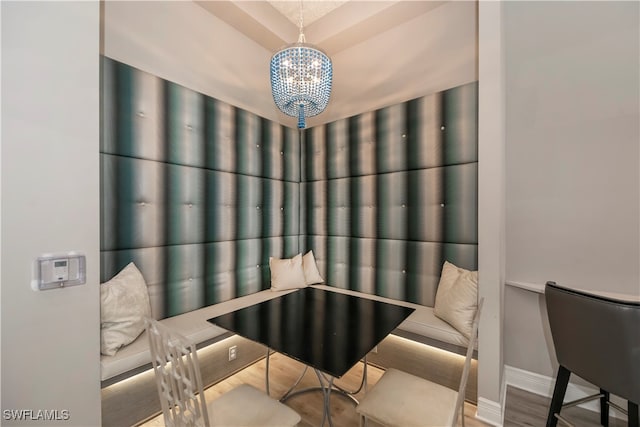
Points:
x=193, y=325
x=421, y=322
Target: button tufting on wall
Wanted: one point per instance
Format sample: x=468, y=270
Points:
x=190, y=205
x=142, y=203
x=257, y=208
x=404, y=206
x=257, y=145
x=189, y=127
x=282, y=153
x=442, y=127
x=257, y=265
x=281, y=209
x=404, y=135
x=141, y=114
x=404, y=271
x=442, y=205
x=191, y=279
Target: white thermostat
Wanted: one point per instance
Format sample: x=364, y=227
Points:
x=57, y=271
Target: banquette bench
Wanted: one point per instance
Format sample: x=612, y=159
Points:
x=422, y=325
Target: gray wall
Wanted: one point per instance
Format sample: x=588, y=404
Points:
x=572, y=160
x=50, y=203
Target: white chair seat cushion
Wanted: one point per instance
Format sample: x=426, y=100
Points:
x=248, y=406
x=386, y=402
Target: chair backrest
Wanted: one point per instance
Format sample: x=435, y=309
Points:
x=177, y=372
x=597, y=338
x=473, y=339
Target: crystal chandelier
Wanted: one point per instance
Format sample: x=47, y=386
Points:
x=301, y=79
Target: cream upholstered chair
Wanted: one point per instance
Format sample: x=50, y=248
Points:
x=404, y=400
x=177, y=372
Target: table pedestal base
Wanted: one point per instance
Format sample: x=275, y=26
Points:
x=327, y=386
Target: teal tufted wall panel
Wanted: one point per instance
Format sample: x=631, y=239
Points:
x=389, y=195
x=196, y=192
x=199, y=193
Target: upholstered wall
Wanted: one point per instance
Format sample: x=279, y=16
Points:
x=199, y=194
x=196, y=192
x=389, y=195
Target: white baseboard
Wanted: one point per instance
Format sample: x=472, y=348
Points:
x=543, y=386
x=489, y=412
x=530, y=381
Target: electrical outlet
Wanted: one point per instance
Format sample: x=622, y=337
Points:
x=233, y=353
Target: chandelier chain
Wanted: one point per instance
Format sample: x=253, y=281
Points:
x=301, y=37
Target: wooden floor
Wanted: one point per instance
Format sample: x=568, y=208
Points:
x=522, y=409
x=283, y=374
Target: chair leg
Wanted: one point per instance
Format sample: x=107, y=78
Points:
x=558, y=395
x=462, y=413
x=604, y=408
x=634, y=416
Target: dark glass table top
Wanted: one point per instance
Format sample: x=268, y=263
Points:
x=326, y=330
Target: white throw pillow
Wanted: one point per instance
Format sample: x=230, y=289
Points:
x=124, y=303
x=457, y=297
x=287, y=273
x=311, y=273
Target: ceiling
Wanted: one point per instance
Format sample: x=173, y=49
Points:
x=331, y=25
x=384, y=52
x=377, y=47
x=309, y=12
